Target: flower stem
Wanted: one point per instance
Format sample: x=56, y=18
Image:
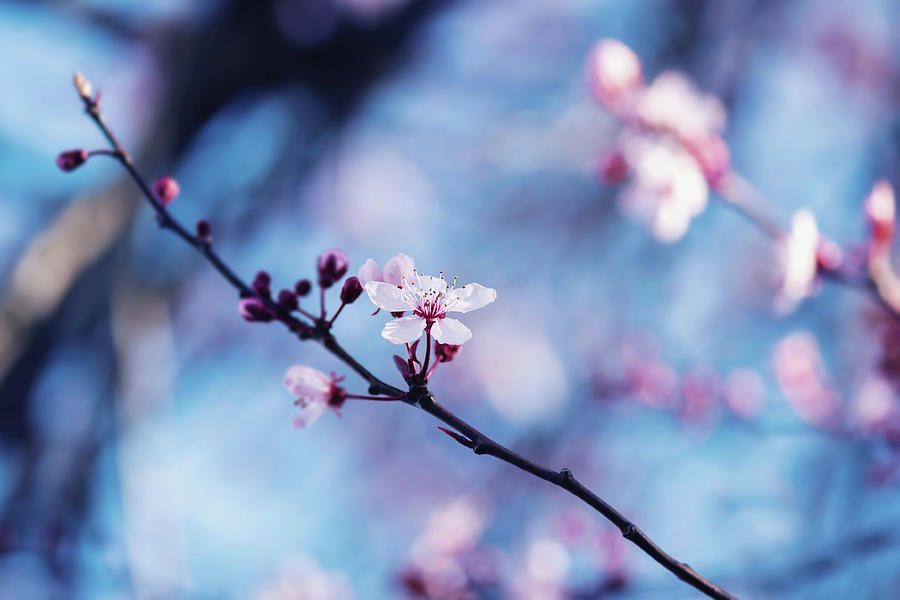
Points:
x=427, y=351
x=335, y=316
x=378, y=398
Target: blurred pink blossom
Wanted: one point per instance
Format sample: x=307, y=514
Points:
x=315, y=392
x=801, y=376
x=614, y=73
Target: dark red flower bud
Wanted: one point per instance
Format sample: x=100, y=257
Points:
x=254, y=311
x=261, y=283
x=287, y=300
x=332, y=265
x=351, y=290
x=71, y=159
x=303, y=287
x=613, y=168
x=445, y=352
x=166, y=189
x=204, y=231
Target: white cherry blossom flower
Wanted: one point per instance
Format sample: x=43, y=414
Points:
x=315, y=392
x=672, y=103
x=429, y=299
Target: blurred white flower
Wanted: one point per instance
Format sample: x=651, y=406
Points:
x=798, y=261
x=430, y=299
x=667, y=188
x=672, y=104
x=315, y=392
x=302, y=578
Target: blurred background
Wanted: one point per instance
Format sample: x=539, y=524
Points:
x=146, y=447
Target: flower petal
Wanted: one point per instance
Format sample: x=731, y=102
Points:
x=470, y=297
x=387, y=296
x=398, y=267
x=306, y=382
x=450, y=331
x=309, y=414
x=370, y=272
x=405, y=330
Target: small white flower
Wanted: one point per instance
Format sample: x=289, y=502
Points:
x=395, y=269
x=798, y=258
x=429, y=299
x=314, y=391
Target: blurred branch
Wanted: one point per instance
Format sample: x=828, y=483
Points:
x=418, y=394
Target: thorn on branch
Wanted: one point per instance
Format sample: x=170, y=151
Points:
x=459, y=438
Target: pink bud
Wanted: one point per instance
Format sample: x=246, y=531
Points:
x=614, y=72
x=287, y=300
x=351, y=290
x=613, y=168
x=261, y=283
x=254, y=311
x=303, y=287
x=880, y=210
x=204, y=231
x=71, y=159
x=166, y=189
x=332, y=265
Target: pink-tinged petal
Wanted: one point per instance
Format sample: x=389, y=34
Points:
x=470, y=297
x=370, y=272
x=405, y=330
x=398, y=267
x=387, y=296
x=308, y=383
x=309, y=414
x=450, y=331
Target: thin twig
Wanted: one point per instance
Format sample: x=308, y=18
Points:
x=418, y=394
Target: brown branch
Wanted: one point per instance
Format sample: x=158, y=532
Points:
x=418, y=394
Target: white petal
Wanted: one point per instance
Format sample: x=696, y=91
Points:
x=450, y=331
x=405, y=330
x=306, y=382
x=309, y=414
x=398, y=267
x=470, y=297
x=387, y=296
x=370, y=272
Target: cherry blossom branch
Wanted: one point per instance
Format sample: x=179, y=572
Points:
x=418, y=395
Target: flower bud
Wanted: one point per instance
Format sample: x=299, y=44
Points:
x=614, y=71
x=204, y=231
x=261, y=283
x=287, y=300
x=445, y=352
x=254, y=311
x=83, y=86
x=71, y=159
x=613, y=168
x=880, y=210
x=166, y=189
x=303, y=287
x=332, y=265
x=351, y=290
